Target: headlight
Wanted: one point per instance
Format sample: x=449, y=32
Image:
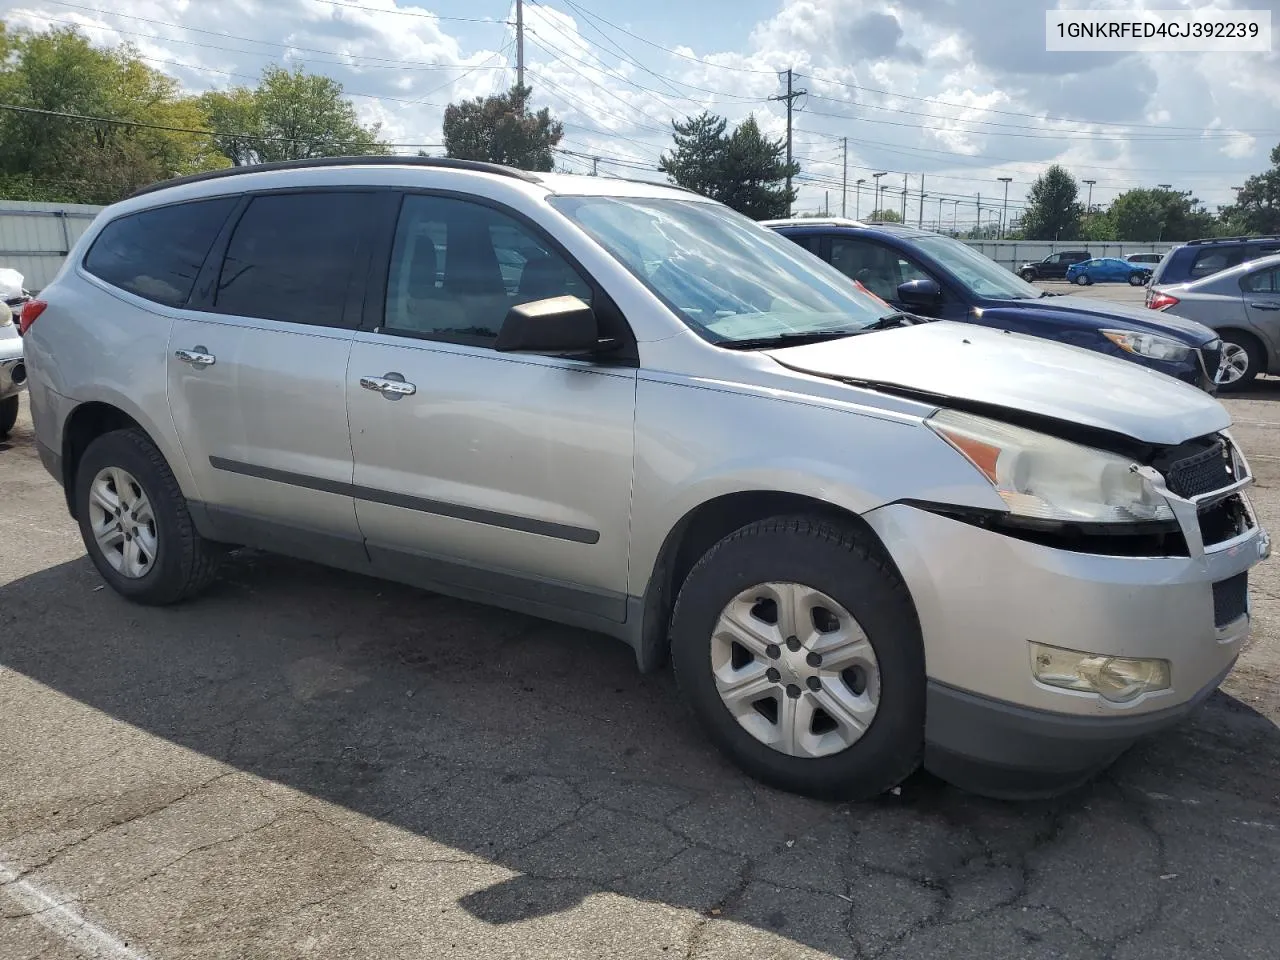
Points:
x=1045, y=478
x=1148, y=345
x=1118, y=679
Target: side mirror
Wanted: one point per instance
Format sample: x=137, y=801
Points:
x=559, y=326
x=920, y=294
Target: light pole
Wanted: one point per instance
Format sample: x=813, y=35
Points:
x=1088, y=207
x=939, y=214
x=920, y=218
x=1165, y=186
x=876, y=177
x=1004, y=212
x=955, y=212
x=857, y=203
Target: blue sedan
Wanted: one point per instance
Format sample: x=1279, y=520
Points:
x=1108, y=270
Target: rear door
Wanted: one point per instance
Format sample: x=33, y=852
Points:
x=257, y=374
x=1262, y=305
x=506, y=474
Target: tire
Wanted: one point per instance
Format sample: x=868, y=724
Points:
x=1242, y=346
x=8, y=415
x=1137, y=280
x=838, y=562
x=184, y=563
x=1028, y=275
x=1084, y=279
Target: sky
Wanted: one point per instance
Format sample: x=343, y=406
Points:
x=946, y=96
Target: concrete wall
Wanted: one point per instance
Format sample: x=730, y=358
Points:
x=35, y=237
x=1012, y=253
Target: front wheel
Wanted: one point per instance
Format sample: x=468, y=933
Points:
x=1084, y=280
x=135, y=523
x=1028, y=275
x=8, y=414
x=799, y=651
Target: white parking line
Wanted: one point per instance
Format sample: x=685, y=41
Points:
x=53, y=913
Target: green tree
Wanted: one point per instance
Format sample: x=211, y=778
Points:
x=697, y=162
x=755, y=174
x=290, y=115
x=1138, y=215
x=1053, y=207
x=502, y=129
x=886, y=215
x=744, y=169
x=140, y=137
x=1098, y=227
x=1257, y=207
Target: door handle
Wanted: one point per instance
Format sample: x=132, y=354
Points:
x=1265, y=306
x=198, y=357
x=393, y=386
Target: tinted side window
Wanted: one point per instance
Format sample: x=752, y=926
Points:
x=1264, y=281
x=458, y=267
x=291, y=257
x=876, y=267
x=157, y=253
x=1211, y=261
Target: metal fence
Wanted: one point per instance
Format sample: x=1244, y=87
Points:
x=1013, y=253
x=35, y=237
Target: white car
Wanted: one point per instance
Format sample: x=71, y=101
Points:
x=13, y=372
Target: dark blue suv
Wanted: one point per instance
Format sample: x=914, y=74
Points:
x=936, y=276
x=1201, y=258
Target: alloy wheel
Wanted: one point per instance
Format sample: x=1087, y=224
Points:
x=1233, y=365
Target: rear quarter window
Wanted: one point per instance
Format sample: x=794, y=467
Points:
x=156, y=254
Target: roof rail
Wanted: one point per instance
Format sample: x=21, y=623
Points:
x=448, y=163
x=1192, y=243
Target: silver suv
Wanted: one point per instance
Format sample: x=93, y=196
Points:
x=863, y=540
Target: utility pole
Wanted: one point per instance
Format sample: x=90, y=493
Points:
x=920, y=218
x=979, y=229
x=876, y=208
x=1089, y=206
x=595, y=166
x=826, y=203
x=903, y=214
x=844, y=181
x=790, y=97
x=939, y=214
x=857, y=209
x=520, y=43
x=1005, y=211
x=955, y=212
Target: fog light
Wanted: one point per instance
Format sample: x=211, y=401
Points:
x=1118, y=679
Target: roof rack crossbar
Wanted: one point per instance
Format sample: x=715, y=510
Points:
x=448, y=163
x=1192, y=243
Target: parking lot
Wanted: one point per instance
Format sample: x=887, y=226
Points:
x=306, y=763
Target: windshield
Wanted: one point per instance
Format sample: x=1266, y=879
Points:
x=727, y=277
x=982, y=276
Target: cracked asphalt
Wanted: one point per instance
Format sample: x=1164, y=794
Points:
x=306, y=763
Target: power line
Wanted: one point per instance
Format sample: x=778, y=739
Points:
x=422, y=15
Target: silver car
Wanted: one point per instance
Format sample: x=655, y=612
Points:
x=13, y=372
x=1243, y=304
x=863, y=540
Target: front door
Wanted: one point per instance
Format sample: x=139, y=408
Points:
x=257, y=372
x=880, y=269
x=503, y=474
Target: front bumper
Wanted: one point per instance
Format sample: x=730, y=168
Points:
x=982, y=597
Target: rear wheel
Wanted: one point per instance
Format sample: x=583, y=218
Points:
x=8, y=414
x=1137, y=279
x=135, y=523
x=1242, y=360
x=798, y=649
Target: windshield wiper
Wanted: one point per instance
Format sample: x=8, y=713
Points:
x=891, y=320
x=793, y=339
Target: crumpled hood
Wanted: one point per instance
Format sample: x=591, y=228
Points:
x=1017, y=372
x=1099, y=314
